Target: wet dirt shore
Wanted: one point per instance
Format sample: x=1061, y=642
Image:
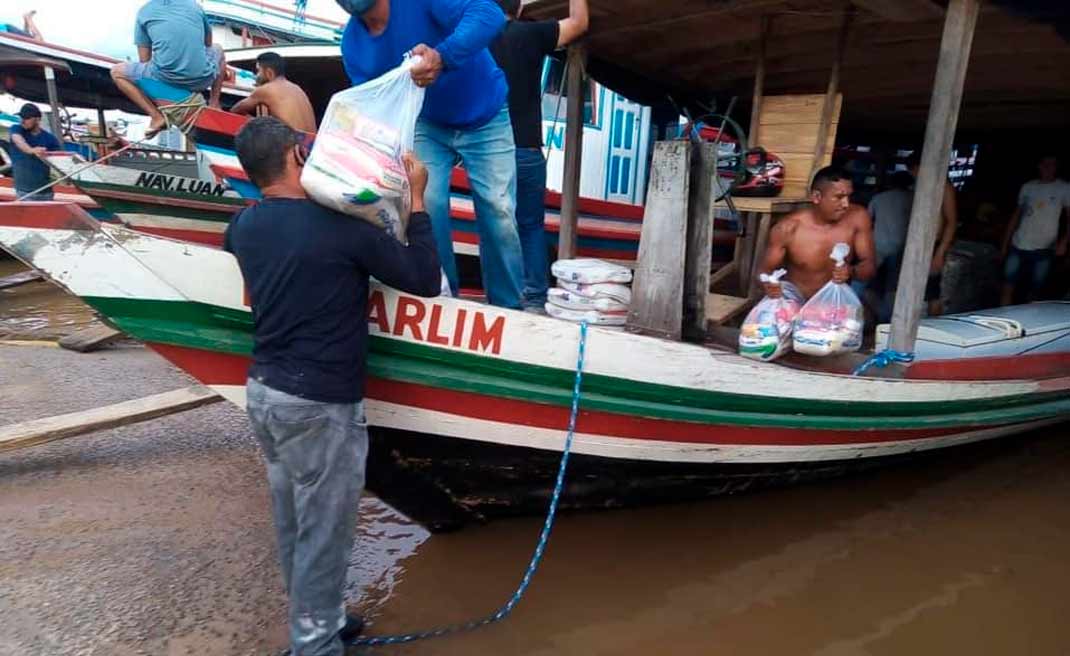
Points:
x=156, y=539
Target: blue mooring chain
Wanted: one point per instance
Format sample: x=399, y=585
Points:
x=883, y=359
x=540, y=548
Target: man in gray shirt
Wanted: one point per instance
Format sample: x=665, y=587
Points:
x=891, y=217
x=174, y=46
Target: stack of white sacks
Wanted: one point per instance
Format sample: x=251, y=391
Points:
x=590, y=290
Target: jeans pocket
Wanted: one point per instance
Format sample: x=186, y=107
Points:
x=302, y=440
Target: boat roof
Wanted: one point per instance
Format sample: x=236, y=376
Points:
x=273, y=19
x=1018, y=75
x=83, y=79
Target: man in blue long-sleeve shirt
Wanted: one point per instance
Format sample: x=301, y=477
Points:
x=465, y=118
x=306, y=269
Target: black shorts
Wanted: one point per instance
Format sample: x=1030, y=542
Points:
x=933, y=287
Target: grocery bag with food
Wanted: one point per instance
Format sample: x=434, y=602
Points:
x=831, y=321
x=766, y=332
x=356, y=163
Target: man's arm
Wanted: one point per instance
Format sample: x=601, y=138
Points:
x=207, y=30
x=949, y=212
x=144, y=53
x=259, y=96
x=142, y=41
x=1064, y=230
x=22, y=145
x=475, y=23
x=1016, y=218
x=865, y=253
x=573, y=27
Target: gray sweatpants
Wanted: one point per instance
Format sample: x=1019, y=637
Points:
x=315, y=456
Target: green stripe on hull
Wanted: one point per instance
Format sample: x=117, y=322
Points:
x=212, y=328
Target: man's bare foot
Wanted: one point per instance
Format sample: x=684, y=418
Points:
x=156, y=125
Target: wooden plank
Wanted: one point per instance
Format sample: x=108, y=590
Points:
x=40, y=431
x=21, y=278
x=720, y=275
x=699, y=249
x=721, y=308
x=658, y=287
x=796, y=138
x=90, y=339
x=929, y=188
x=828, y=107
x=902, y=10
x=753, y=139
x=761, y=240
x=745, y=246
x=792, y=109
x=777, y=205
x=570, y=185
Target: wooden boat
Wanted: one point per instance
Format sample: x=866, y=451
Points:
x=158, y=203
x=472, y=401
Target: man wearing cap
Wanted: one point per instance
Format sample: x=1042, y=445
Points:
x=30, y=142
x=465, y=118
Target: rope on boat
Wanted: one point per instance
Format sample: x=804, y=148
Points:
x=187, y=119
x=883, y=359
x=540, y=547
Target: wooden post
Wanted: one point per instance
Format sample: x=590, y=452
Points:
x=932, y=172
x=829, y=105
x=658, y=289
x=759, y=82
x=570, y=185
x=53, y=100
x=699, y=249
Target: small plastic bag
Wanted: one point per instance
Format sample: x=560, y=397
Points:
x=766, y=332
x=588, y=270
x=831, y=321
x=356, y=163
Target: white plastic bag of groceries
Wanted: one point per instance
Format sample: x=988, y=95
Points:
x=831, y=321
x=356, y=163
x=766, y=332
x=589, y=271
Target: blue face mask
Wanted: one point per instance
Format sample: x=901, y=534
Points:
x=355, y=7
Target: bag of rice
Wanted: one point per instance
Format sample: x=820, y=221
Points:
x=589, y=270
x=573, y=301
x=593, y=317
x=356, y=163
x=610, y=290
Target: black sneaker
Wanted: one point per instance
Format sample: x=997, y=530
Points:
x=353, y=628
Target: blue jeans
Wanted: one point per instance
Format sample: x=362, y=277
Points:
x=531, y=222
x=1028, y=268
x=45, y=195
x=488, y=156
x=315, y=455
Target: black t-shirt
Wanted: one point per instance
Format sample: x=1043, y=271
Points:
x=519, y=50
x=306, y=270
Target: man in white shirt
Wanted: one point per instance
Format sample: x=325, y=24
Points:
x=1037, y=232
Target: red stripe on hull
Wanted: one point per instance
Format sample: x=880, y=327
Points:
x=1032, y=366
x=214, y=239
x=224, y=369
x=52, y=215
x=459, y=180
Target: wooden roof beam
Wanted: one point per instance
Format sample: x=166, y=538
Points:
x=902, y=10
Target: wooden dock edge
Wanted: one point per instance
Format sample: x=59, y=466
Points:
x=40, y=431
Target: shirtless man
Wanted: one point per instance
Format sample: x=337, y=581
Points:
x=802, y=241
x=282, y=98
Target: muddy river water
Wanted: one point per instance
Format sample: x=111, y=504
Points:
x=960, y=553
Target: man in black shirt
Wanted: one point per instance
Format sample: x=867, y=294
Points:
x=306, y=269
x=519, y=51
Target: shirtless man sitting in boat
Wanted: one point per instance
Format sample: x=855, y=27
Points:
x=278, y=96
x=802, y=241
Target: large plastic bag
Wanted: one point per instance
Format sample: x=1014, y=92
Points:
x=593, y=317
x=608, y=290
x=356, y=163
x=588, y=271
x=766, y=332
x=572, y=301
x=831, y=321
